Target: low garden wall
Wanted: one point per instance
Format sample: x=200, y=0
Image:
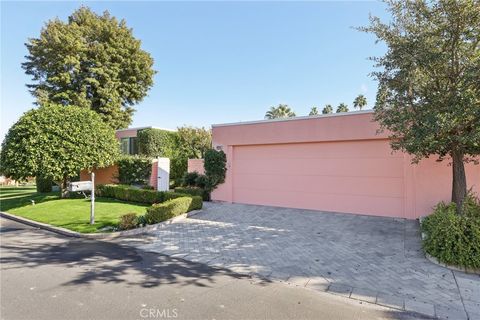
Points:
x=196, y=165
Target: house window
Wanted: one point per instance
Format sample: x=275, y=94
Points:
x=125, y=145
x=133, y=145
x=129, y=145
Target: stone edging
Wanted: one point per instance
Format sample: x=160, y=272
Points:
x=104, y=235
x=434, y=260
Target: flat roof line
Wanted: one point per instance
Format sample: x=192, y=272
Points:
x=140, y=128
x=341, y=114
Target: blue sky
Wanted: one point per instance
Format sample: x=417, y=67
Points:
x=218, y=61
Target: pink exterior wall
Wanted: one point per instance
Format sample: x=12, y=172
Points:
x=331, y=163
x=127, y=133
x=196, y=165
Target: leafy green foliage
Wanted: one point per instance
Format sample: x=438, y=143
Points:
x=452, y=238
x=313, y=111
x=429, y=94
x=360, y=102
x=156, y=143
x=190, y=179
x=282, y=111
x=194, y=191
x=55, y=143
x=194, y=142
x=91, y=61
x=162, y=143
x=188, y=143
x=44, y=185
x=172, y=208
x=134, y=169
x=215, y=168
x=128, y=221
x=201, y=181
x=132, y=194
x=327, y=109
x=342, y=107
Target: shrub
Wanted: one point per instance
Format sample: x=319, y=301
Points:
x=132, y=194
x=44, y=185
x=172, y=208
x=128, y=221
x=141, y=221
x=134, y=169
x=156, y=143
x=452, y=238
x=194, y=191
x=215, y=168
x=201, y=181
x=189, y=179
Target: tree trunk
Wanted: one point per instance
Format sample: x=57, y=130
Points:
x=63, y=188
x=459, y=186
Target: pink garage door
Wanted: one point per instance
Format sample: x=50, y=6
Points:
x=352, y=176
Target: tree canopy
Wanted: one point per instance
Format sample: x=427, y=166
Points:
x=327, y=109
x=342, y=107
x=56, y=142
x=429, y=81
x=360, y=102
x=90, y=61
x=282, y=111
x=313, y=111
x=194, y=142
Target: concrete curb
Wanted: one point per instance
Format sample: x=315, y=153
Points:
x=103, y=235
x=453, y=267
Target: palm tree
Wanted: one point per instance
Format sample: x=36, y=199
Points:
x=360, y=102
x=342, y=107
x=313, y=111
x=282, y=111
x=327, y=109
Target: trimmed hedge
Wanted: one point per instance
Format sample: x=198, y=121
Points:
x=194, y=191
x=131, y=194
x=172, y=208
x=452, y=238
x=134, y=169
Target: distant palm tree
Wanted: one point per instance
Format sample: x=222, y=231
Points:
x=342, y=107
x=282, y=111
x=313, y=111
x=360, y=102
x=327, y=109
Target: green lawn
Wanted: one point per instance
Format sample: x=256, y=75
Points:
x=73, y=214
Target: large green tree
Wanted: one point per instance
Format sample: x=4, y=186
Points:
x=194, y=142
x=360, y=102
x=90, y=61
x=429, y=82
x=282, y=111
x=54, y=142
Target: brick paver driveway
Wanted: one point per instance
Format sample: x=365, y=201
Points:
x=375, y=259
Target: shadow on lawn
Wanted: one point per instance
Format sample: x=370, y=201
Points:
x=106, y=262
x=11, y=198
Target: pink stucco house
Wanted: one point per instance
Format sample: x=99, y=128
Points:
x=331, y=162
x=128, y=145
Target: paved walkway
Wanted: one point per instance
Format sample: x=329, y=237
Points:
x=374, y=259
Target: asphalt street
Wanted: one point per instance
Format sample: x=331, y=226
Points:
x=47, y=276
